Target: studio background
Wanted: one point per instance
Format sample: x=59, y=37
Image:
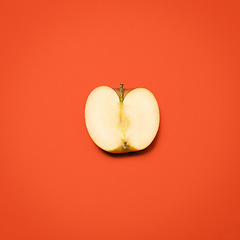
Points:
x=56, y=184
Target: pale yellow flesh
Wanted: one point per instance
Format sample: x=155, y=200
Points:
x=122, y=127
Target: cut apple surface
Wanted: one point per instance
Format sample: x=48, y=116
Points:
x=119, y=120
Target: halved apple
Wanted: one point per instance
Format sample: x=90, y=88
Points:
x=122, y=120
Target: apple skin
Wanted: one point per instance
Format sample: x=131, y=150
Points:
x=120, y=150
x=125, y=91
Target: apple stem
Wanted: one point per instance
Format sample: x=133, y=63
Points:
x=121, y=92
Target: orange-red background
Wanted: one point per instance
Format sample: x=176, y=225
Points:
x=56, y=184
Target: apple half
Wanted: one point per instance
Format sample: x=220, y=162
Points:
x=122, y=120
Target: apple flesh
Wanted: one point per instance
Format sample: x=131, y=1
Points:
x=122, y=120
